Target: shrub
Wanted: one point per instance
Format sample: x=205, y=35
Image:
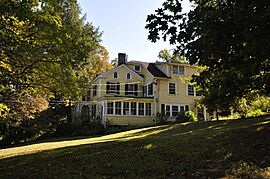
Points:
x=161, y=118
x=186, y=116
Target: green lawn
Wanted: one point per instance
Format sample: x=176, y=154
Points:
x=233, y=148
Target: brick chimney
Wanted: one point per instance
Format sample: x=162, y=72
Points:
x=122, y=58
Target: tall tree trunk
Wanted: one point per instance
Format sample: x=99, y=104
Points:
x=217, y=114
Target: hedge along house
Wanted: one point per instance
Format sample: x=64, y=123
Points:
x=134, y=92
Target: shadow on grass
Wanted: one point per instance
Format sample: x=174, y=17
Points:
x=202, y=150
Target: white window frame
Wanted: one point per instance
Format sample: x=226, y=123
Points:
x=195, y=93
x=179, y=108
x=147, y=87
x=175, y=86
x=129, y=108
x=178, y=70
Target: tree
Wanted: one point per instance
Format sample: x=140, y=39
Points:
x=44, y=45
x=226, y=37
x=167, y=56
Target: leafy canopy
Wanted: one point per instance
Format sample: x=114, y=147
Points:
x=228, y=37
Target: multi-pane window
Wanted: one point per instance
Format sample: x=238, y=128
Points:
x=118, y=108
x=148, y=109
x=125, y=108
x=172, y=88
x=172, y=110
x=175, y=110
x=182, y=108
x=129, y=108
x=141, y=109
x=178, y=70
x=168, y=111
x=191, y=90
x=150, y=89
x=110, y=108
x=133, y=108
x=115, y=75
x=145, y=91
x=131, y=89
x=113, y=88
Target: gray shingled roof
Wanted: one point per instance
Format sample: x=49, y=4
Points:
x=151, y=67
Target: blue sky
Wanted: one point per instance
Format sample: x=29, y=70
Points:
x=122, y=23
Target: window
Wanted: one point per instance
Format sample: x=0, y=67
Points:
x=141, y=109
x=110, y=108
x=168, y=111
x=148, y=109
x=133, y=108
x=125, y=108
x=131, y=89
x=175, y=70
x=150, y=89
x=186, y=108
x=137, y=68
x=145, y=91
x=88, y=97
x=128, y=76
x=191, y=90
x=94, y=111
x=172, y=89
x=118, y=108
x=182, y=108
x=94, y=90
x=175, y=110
x=172, y=110
x=163, y=109
x=178, y=70
x=113, y=88
x=115, y=75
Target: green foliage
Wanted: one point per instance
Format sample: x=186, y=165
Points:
x=45, y=50
x=177, y=56
x=226, y=38
x=245, y=170
x=161, y=119
x=186, y=116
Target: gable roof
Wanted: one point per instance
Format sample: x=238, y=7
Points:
x=115, y=69
x=151, y=67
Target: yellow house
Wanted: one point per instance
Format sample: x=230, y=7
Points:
x=134, y=92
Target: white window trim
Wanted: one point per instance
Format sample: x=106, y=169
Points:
x=195, y=93
x=146, y=85
x=178, y=74
x=179, y=107
x=175, y=84
x=137, y=109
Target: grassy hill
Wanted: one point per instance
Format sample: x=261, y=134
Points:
x=233, y=148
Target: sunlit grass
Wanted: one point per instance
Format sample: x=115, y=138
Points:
x=232, y=148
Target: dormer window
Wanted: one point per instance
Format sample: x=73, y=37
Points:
x=115, y=75
x=128, y=76
x=137, y=68
x=178, y=70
